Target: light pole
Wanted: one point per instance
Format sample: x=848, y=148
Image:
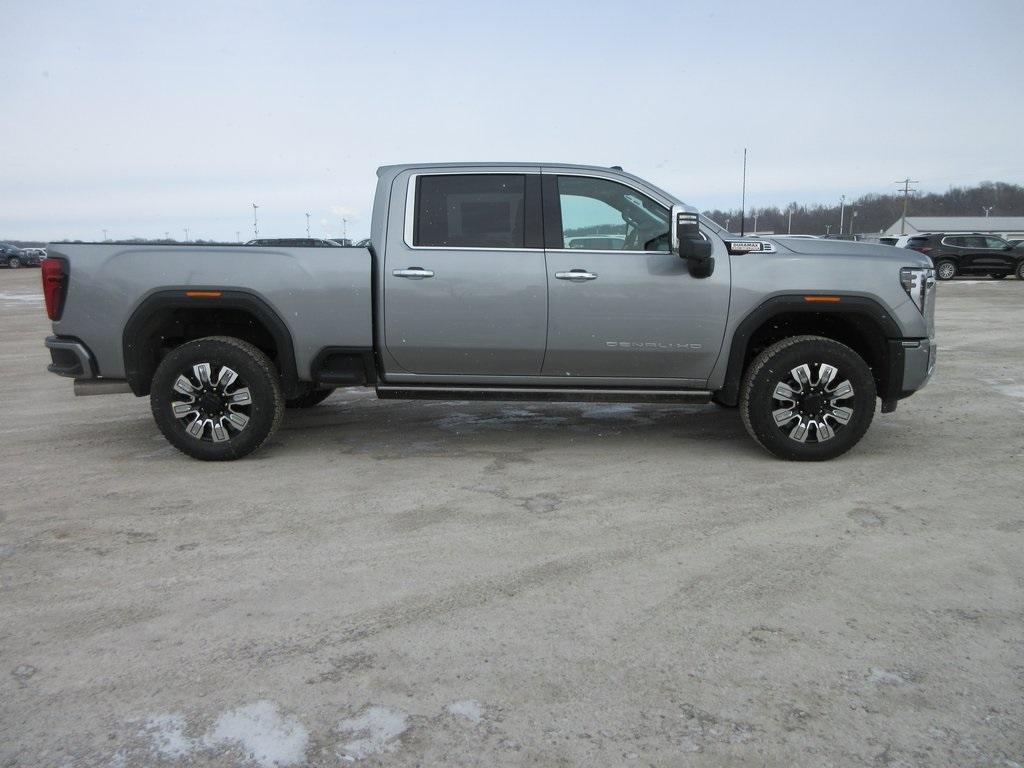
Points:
x=986, y=208
x=238, y=236
x=842, y=211
x=789, y=224
x=727, y=223
x=307, y=223
x=167, y=235
x=853, y=217
x=104, y=235
x=185, y=230
x=255, y=222
x=344, y=229
x=755, y=214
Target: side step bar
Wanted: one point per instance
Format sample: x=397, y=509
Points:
x=85, y=387
x=554, y=394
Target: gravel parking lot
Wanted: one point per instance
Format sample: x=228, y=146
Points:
x=410, y=583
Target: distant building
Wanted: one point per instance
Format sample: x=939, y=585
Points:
x=1006, y=226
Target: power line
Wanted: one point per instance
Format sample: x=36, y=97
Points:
x=906, y=196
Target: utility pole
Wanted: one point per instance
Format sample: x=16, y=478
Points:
x=238, y=236
x=185, y=230
x=986, y=208
x=743, y=194
x=104, y=235
x=255, y=222
x=307, y=223
x=842, y=212
x=906, y=195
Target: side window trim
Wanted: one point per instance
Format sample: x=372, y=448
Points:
x=533, y=215
x=553, y=236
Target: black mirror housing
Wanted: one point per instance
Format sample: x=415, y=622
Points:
x=689, y=243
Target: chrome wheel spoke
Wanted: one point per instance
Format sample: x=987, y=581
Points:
x=181, y=409
x=184, y=387
x=802, y=375
x=241, y=397
x=217, y=429
x=784, y=392
x=783, y=415
x=202, y=372
x=226, y=378
x=822, y=431
x=799, y=432
x=841, y=415
x=197, y=427
x=826, y=373
x=843, y=389
x=237, y=420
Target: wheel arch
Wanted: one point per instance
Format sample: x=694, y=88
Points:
x=859, y=322
x=170, y=317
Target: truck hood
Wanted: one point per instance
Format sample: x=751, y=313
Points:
x=846, y=248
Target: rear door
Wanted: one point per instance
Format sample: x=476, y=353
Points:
x=465, y=290
x=998, y=254
x=628, y=309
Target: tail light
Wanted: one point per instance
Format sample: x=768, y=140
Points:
x=922, y=248
x=55, y=285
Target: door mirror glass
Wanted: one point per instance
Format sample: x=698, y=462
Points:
x=690, y=244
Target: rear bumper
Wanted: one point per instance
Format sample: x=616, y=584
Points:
x=70, y=357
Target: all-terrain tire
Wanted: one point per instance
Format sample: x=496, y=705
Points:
x=309, y=399
x=218, y=398
x=776, y=366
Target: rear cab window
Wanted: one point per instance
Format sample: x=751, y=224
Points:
x=470, y=211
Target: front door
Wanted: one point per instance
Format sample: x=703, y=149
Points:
x=464, y=280
x=620, y=304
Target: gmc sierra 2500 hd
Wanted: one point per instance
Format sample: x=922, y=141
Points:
x=503, y=281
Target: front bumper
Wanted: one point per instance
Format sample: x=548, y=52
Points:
x=70, y=358
x=918, y=364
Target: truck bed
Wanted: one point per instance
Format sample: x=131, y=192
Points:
x=322, y=295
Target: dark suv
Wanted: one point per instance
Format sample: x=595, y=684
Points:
x=969, y=254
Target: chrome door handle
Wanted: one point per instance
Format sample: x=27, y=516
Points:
x=576, y=275
x=413, y=273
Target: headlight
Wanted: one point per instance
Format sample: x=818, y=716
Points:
x=918, y=282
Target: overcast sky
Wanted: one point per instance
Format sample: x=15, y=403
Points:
x=145, y=118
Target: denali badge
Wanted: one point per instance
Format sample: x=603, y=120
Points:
x=650, y=345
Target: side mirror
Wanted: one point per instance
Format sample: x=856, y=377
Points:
x=689, y=243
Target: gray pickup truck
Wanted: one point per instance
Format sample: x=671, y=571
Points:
x=502, y=281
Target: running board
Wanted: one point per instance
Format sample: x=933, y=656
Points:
x=552, y=394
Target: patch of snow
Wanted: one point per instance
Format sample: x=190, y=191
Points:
x=470, y=709
x=267, y=738
x=885, y=677
x=167, y=732
x=20, y=299
x=623, y=411
x=378, y=729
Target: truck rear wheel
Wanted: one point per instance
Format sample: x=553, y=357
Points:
x=216, y=399
x=807, y=398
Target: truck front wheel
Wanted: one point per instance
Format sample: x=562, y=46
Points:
x=217, y=398
x=807, y=398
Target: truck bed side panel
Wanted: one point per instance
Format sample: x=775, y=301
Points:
x=323, y=295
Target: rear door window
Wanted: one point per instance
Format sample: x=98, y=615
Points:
x=470, y=211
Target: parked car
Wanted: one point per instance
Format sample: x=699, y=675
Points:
x=969, y=254
x=294, y=242
x=470, y=291
x=13, y=257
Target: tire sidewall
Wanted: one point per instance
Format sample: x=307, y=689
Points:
x=252, y=367
x=939, y=266
x=1020, y=271
x=759, y=403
